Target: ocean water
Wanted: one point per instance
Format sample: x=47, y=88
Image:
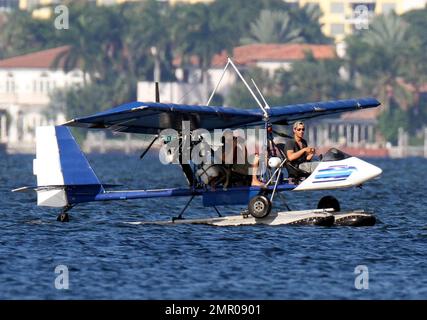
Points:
x=107, y=258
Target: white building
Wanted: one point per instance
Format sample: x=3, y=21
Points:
x=26, y=83
x=270, y=57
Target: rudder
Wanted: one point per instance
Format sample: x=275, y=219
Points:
x=64, y=176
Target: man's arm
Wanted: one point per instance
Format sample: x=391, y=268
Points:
x=294, y=155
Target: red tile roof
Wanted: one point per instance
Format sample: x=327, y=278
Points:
x=253, y=53
x=39, y=59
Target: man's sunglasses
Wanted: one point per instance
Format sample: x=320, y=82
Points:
x=300, y=129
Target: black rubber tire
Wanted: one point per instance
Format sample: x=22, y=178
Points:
x=259, y=206
x=329, y=202
x=63, y=217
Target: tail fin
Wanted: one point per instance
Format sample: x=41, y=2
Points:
x=64, y=176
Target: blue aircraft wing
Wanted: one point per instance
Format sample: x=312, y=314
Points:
x=152, y=117
x=290, y=113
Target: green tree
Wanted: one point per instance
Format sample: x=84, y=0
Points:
x=237, y=15
x=87, y=100
x=308, y=19
x=376, y=56
x=89, y=41
x=415, y=70
x=239, y=95
x=273, y=27
x=306, y=80
x=197, y=33
x=148, y=39
x=313, y=80
x=417, y=21
x=22, y=34
x=3, y=45
x=391, y=120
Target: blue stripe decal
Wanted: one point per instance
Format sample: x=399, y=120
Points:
x=338, y=168
x=334, y=173
x=330, y=180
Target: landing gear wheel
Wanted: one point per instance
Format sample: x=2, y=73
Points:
x=259, y=206
x=329, y=202
x=63, y=217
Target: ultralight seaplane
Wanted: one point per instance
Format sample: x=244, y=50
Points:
x=65, y=178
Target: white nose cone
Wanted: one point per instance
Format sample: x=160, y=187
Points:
x=345, y=173
x=370, y=171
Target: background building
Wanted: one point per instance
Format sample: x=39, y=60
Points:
x=190, y=89
x=26, y=85
x=340, y=16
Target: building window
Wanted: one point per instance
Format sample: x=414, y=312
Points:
x=337, y=7
x=337, y=29
x=44, y=82
x=388, y=7
x=10, y=83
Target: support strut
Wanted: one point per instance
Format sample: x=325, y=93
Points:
x=217, y=211
x=148, y=148
x=63, y=216
x=183, y=210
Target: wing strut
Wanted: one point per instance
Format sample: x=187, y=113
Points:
x=259, y=92
x=249, y=88
x=149, y=147
x=183, y=210
x=155, y=138
x=217, y=85
x=230, y=62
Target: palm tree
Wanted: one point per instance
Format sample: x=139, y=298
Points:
x=22, y=34
x=312, y=80
x=3, y=45
x=308, y=18
x=415, y=71
x=147, y=39
x=376, y=56
x=83, y=39
x=273, y=27
x=312, y=11
x=198, y=33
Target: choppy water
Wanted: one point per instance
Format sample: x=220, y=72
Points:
x=108, y=259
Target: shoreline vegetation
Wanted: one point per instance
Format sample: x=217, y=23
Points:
x=117, y=46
